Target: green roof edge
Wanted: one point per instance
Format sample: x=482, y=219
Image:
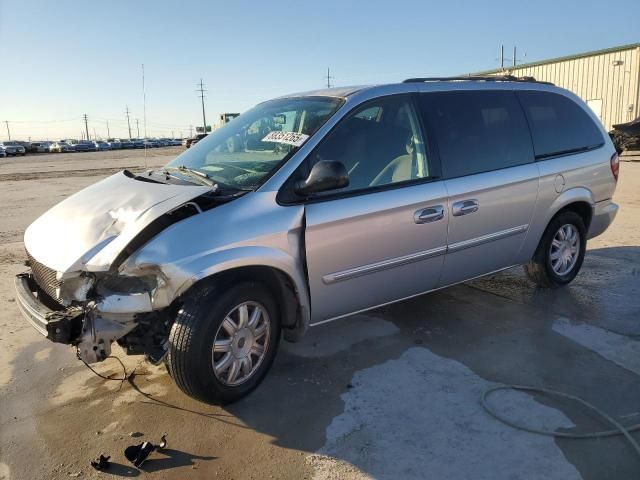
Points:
x=620, y=48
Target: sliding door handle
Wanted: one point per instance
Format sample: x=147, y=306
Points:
x=429, y=214
x=465, y=207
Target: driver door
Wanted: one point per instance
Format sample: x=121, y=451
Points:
x=383, y=237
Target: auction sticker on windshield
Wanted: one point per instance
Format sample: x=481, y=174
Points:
x=290, y=138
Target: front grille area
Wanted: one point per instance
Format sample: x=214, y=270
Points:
x=45, y=277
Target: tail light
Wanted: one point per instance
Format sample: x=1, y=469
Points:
x=615, y=165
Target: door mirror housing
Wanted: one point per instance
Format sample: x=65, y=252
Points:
x=325, y=175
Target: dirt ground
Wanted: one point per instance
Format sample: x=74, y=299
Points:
x=390, y=394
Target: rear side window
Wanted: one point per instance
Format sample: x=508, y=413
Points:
x=558, y=125
x=477, y=131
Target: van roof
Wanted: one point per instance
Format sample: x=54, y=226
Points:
x=343, y=92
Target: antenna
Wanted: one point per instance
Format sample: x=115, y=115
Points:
x=144, y=117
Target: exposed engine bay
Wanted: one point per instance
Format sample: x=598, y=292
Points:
x=92, y=309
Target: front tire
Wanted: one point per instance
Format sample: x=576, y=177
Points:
x=560, y=253
x=223, y=341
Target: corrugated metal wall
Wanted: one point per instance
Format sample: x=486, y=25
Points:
x=600, y=80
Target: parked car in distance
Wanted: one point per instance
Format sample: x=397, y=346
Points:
x=176, y=142
x=455, y=179
x=114, y=143
x=126, y=143
x=137, y=143
x=38, y=147
x=102, y=145
x=26, y=145
x=3, y=152
x=61, y=147
x=86, y=146
x=13, y=148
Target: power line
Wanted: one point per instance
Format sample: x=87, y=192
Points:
x=204, y=118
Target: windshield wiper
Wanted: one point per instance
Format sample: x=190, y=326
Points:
x=203, y=177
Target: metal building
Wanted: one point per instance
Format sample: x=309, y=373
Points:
x=608, y=80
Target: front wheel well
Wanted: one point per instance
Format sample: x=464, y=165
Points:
x=276, y=281
x=582, y=208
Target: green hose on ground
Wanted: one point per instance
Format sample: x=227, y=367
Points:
x=618, y=430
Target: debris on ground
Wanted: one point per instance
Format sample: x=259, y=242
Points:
x=101, y=463
x=137, y=454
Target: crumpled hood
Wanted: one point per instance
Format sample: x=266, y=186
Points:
x=89, y=229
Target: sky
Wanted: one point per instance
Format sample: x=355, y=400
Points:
x=60, y=60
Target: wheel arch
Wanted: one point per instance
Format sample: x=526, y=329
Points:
x=277, y=273
x=579, y=200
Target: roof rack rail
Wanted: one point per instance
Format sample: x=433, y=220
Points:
x=476, y=78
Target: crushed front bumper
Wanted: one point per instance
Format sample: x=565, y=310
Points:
x=60, y=326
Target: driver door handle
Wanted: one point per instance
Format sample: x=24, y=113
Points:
x=429, y=214
x=465, y=207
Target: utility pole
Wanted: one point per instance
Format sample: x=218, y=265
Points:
x=501, y=57
x=329, y=77
x=6, y=122
x=86, y=125
x=204, y=118
x=138, y=127
x=128, y=122
x=108, y=132
x=514, y=56
x=190, y=131
x=95, y=137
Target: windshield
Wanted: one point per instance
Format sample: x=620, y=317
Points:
x=246, y=150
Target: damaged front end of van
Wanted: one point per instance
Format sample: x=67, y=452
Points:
x=79, y=289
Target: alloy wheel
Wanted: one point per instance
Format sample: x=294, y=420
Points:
x=565, y=249
x=240, y=344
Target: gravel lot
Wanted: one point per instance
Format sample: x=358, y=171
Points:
x=390, y=394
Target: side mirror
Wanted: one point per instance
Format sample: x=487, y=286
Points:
x=325, y=175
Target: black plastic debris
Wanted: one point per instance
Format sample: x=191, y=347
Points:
x=101, y=463
x=137, y=454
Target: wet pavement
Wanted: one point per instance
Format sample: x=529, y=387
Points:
x=393, y=393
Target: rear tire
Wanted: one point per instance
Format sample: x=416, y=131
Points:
x=240, y=360
x=560, y=253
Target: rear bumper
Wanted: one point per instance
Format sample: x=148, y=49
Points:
x=604, y=213
x=59, y=326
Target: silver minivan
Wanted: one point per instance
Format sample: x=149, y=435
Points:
x=315, y=206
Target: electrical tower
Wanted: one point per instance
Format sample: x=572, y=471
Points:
x=204, y=118
x=86, y=125
x=329, y=77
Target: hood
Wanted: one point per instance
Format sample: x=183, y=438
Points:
x=89, y=229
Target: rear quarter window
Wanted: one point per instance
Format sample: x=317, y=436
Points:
x=477, y=131
x=558, y=125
